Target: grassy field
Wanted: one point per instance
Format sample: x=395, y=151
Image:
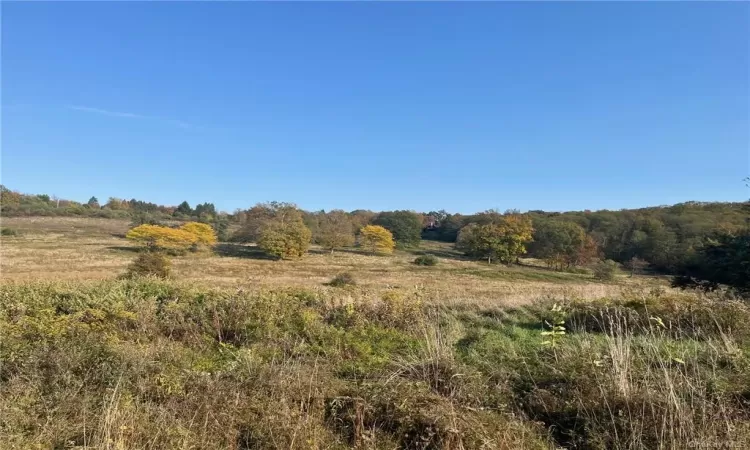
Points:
x=94, y=249
x=242, y=352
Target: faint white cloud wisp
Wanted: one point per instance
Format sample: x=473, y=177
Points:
x=127, y=115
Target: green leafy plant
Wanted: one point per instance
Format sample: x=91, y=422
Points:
x=605, y=270
x=555, y=326
x=426, y=260
x=342, y=279
x=149, y=264
x=8, y=232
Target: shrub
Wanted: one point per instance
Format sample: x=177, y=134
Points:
x=285, y=240
x=343, y=279
x=162, y=238
x=605, y=270
x=426, y=260
x=8, y=232
x=376, y=239
x=149, y=264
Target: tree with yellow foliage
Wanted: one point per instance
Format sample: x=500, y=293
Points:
x=203, y=231
x=155, y=237
x=376, y=239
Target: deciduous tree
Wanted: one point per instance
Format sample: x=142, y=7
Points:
x=164, y=238
x=204, y=233
x=335, y=230
x=285, y=240
x=255, y=219
x=503, y=240
x=562, y=243
x=376, y=239
x=406, y=226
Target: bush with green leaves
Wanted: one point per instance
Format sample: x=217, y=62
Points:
x=8, y=231
x=605, y=270
x=149, y=263
x=426, y=260
x=342, y=279
x=285, y=240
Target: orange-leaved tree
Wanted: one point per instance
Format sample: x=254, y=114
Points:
x=376, y=239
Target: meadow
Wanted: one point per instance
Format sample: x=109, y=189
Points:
x=240, y=351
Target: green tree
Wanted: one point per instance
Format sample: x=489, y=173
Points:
x=206, y=211
x=285, y=240
x=335, y=230
x=253, y=220
x=221, y=226
x=93, y=203
x=116, y=204
x=406, y=226
x=184, y=209
x=723, y=260
x=360, y=218
x=605, y=270
x=278, y=228
x=561, y=243
x=504, y=240
x=9, y=198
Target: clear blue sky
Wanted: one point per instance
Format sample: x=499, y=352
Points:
x=555, y=106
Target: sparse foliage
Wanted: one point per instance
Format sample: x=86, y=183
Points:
x=426, y=260
x=342, y=279
x=335, y=230
x=554, y=326
x=636, y=265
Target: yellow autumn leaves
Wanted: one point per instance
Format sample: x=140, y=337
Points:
x=376, y=239
x=192, y=235
x=287, y=240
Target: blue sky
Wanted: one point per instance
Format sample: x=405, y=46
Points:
x=463, y=107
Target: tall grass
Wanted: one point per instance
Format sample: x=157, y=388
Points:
x=149, y=364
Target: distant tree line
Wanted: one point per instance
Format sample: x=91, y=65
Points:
x=704, y=244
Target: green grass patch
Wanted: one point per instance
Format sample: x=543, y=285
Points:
x=291, y=368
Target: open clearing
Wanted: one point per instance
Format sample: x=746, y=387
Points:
x=95, y=249
x=241, y=352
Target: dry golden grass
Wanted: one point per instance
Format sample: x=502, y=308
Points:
x=244, y=352
x=94, y=249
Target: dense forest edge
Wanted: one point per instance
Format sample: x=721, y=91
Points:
x=704, y=245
